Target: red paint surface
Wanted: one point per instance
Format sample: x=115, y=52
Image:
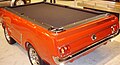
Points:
x=47, y=43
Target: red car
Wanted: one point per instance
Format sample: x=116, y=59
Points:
x=56, y=34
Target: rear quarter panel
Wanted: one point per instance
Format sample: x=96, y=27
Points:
x=24, y=31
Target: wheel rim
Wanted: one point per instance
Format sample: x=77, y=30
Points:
x=34, y=57
x=7, y=35
x=19, y=2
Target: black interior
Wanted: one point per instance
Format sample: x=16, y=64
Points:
x=57, y=16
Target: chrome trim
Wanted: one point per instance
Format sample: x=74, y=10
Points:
x=93, y=37
x=56, y=30
x=57, y=60
x=86, y=21
x=77, y=23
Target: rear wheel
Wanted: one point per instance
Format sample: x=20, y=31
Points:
x=9, y=39
x=33, y=56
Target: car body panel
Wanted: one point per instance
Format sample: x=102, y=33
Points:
x=48, y=43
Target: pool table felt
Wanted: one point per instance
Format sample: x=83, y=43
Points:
x=56, y=16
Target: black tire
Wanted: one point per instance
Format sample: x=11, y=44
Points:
x=9, y=39
x=35, y=57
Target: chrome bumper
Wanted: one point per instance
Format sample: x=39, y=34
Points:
x=62, y=61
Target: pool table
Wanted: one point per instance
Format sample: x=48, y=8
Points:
x=56, y=34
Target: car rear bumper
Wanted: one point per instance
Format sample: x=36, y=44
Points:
x=63, y=61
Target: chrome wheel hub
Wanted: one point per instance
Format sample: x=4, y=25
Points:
x=20, y=2
x=34, y=57
x=7, y=35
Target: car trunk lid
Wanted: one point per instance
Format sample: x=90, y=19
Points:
x=79, y=37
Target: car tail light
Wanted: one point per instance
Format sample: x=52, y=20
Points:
x=64, y=50
x=114, y=28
